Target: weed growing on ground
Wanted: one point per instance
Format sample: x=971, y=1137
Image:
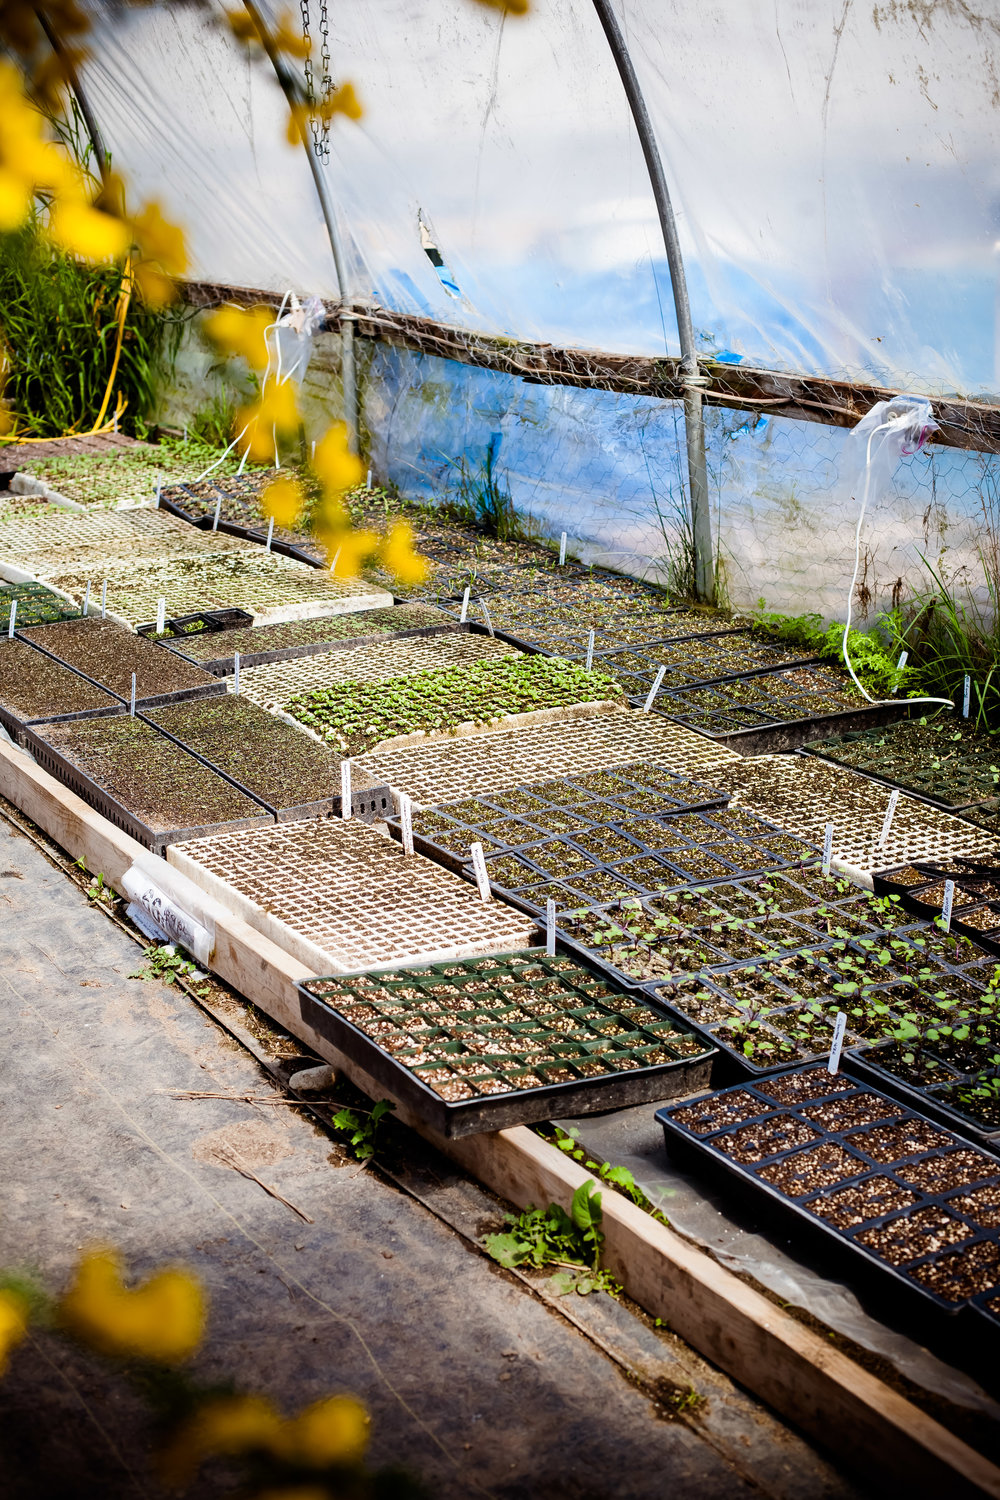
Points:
x=361, y=1127
x=550, y=1236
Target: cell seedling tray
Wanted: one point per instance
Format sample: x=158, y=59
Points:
x=954, y=767
x=803, y=794
x=700, y=662
x=503, y=1040
x=261, y=645
x=502, y=760
x=562, y=628
x=36, y=605
x=186, y=629
x=778, y=710
x=107, y=654
x=340, y=896
x=241, y=516
x=130, y=800
x=912, y=1210
x=566, y=805
x=35, y=689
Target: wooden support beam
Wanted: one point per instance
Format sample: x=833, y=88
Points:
x=965, y=424
x=863, y=1421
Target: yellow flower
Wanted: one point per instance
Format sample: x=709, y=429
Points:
x=516, y=7
x=399, y=557
x=156, y=289
x=226, y=1425
x=238, y=330
x=13, y=1324
x=332, y=1431
x=343, y=101
x=273, y=417
x=163, y=1319
x=85, y=231
x=15, y=200
x=346, y=550
x=286, y=39
x=336, y=466
x=295, y=1492
x=160, y=241
x=283, y=499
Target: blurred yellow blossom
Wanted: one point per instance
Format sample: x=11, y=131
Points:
x=13, y=1324
x=284, y=499
x=273, y=418
x=343, y=101
x=399, y=557
x=346, y=550
x=162, y=1319
x=337, y=468
x=224, y=1425
x=86, y=231
x=332, y=1431
x=240, y=330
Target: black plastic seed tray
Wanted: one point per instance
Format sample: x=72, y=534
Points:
x=768, y=723
x=224, y=664
x=781, y=1009
x=156, y=839
x=943, y=804
x=503, y=1040
x=247, y=533
x=69, y=687
x=175, y=507
x=151, y=700
x=203, y=622
x=36, y=605
x=910, y=1210
x=939, y=1101
x=636, y=667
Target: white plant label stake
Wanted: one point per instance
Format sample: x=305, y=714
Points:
x=236, y=673
x=86, y=598
x=104, y=600
x=218, y=512
x=654, y=690
x=161, y=615
x=157, y=492
x=406, y=822
x=336, y=560
x=837, y=1045
x=887, y=821
x=132, y=703
x=947, y=903
x=486, y=614
x=550, y=927
x=562, y=550
x=465, y=606
x=827, y=848
x=966, y=695
x=479, y=865
x=345, y=789
x=368, y=485
x=590, y=651
x=13, y=619
x=270, y=534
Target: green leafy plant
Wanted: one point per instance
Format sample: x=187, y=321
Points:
x=573, y=1241
x=873, y=653
x=361, y=1127
x=164, y=963
x=620, y=1178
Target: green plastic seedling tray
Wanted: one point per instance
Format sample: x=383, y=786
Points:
x=509, y=1105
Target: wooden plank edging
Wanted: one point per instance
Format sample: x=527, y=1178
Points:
x=819, y=1390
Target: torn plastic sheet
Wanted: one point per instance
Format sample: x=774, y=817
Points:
x=631, y=1138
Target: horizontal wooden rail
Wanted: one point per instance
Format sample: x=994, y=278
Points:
x=808, y=398
x=866, y=1425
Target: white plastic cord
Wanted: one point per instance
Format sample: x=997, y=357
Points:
x=948, y=702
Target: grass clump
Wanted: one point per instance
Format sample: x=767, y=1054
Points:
x=356, y=716
x=873, y=654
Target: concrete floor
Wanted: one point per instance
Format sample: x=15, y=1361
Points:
x=474, y=1381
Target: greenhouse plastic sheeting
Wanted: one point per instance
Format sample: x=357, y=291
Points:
x=834, y=169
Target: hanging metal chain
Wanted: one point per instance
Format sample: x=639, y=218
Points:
x=319, y=126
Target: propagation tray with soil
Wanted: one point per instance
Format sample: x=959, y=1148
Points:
x=36, y=605
x=140, y=780
x=504, y=1040
x=33, y=687
x=913, y=1209
x=259, y=645
x=703, y=661
x=942, y=760
x=108, y=654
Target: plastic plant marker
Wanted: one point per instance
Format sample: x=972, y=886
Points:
x=161, y=615
x=218, y=510
x=550, y=927
x=590, y=651
x=104, y=600
x=562, y=550
x=465, y=605
x=336, y=559
x=479, y=866
x=132, y=701
x=889, y=814
x=406, y=822
x=236, y=673
x=86, y=598
x=658, y=679
x=345, y=788
x=270, y=534
x=368, y=481
x=486, y=616
x=837, y=1045
x=13, y=618
x=947, y=903
x=158, y=488
x=827, y=848
x=967, y=691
